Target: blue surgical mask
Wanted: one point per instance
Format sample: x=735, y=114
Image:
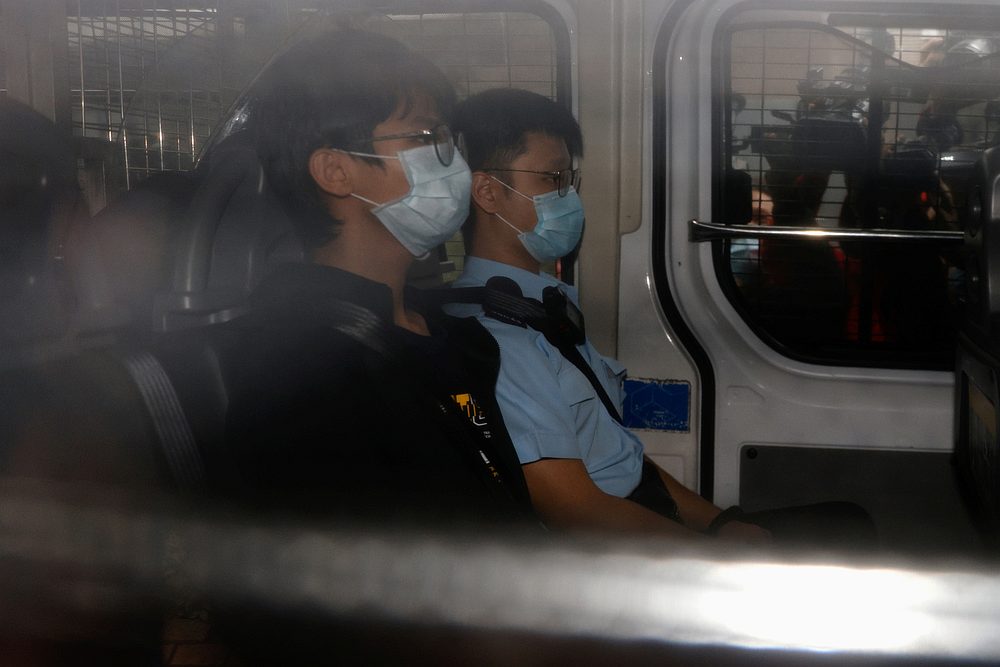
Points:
x=559, y=226
x=436, y=205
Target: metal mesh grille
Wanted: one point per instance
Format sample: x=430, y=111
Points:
x=156, y=78
x=480, y=51
x=803, y=102
x=148, y=80
x=152, y=80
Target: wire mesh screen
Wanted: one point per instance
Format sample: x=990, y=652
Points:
x=155, y=78
x=803, y=102
x=480, y=51
x=148, y=80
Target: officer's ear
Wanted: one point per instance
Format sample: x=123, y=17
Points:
x=484, y=191
x=333, y=171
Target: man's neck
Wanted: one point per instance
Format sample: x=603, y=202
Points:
x=513, y=254
x=380, y=261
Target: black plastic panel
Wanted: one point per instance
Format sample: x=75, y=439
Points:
x=913, y=497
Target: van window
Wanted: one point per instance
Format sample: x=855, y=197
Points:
x=797, y=142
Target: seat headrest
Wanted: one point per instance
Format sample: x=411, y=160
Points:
x=234, y=232
x=122, y=257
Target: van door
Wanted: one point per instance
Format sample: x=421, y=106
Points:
x=814, y=264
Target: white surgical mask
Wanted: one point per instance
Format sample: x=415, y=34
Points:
x=559, y=226
x=435, y=206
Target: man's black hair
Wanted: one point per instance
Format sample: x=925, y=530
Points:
x=494, y=125
x=331, y=92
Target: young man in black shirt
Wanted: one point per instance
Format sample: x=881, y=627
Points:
x=350, y=399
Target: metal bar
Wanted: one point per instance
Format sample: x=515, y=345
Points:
x=700, y=231
x=121, y=96
x=107, y=74
x=505, y=31
x=188, y=30
x=191, y=122
x=159, y=94
x=83, y=88
x=141, y=56
x=142, y=69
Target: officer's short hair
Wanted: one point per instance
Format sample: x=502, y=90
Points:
x=331, y=91
x=493, y=125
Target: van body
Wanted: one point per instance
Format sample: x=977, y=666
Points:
x=790, y=211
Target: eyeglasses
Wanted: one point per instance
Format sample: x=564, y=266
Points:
x=439, y=135
x=562, y=178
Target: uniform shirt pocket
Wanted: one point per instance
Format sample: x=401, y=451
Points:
x=574, y=385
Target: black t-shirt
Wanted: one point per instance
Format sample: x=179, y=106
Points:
x=320, y=422
x=444, y=366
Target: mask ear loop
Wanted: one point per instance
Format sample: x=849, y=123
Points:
x=360, y=154
x=384, y=157
x=512, y=189
x=508, y=223
x=503, y=219
x=366, y=200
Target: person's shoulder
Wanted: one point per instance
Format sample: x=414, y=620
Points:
x=465, y=332
x=478, y=271
x=523, y=347
x=279, y=353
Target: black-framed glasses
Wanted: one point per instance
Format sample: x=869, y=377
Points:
x=562, y=178
x=439, y=135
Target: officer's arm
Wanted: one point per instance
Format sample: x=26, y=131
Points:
x=566, y=498
x=697, y=513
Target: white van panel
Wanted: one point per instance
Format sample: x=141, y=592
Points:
x=762, y=396
x=646, y=344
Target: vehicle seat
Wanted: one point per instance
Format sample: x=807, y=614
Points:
x=78, y=419
x=233, y=233
x=230, y=235
x=199, y=365
x=122, y=257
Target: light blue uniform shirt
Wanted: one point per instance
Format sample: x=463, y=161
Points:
x=550, y=408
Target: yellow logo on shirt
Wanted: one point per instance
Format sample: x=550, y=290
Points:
x=471, y=410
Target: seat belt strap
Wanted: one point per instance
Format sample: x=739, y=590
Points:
x=572, y=354
x=519, y=310
x=177, y=442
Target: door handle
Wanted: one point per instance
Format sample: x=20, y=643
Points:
x=700, y=231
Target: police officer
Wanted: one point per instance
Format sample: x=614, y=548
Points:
x=584, y=469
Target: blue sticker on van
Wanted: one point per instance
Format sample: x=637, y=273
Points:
x=657, y=405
